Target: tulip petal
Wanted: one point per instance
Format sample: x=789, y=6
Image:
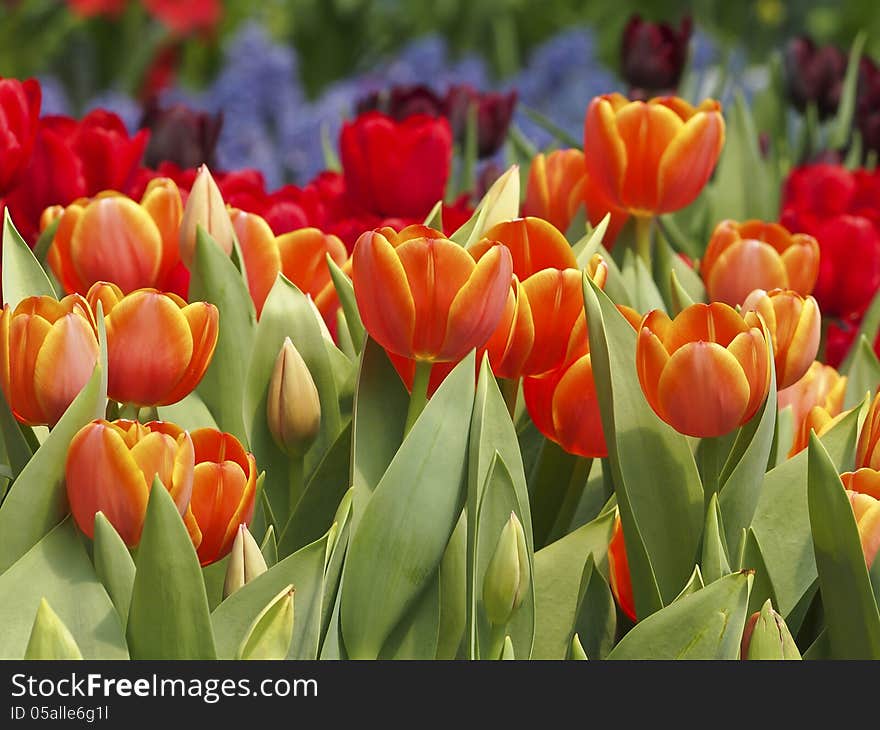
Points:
x=59, y=254
x=382, y=293
x=204, y=324
x=651, y=360
x=154, y=454
x=534, y=245
x=218, y=490
x=703, y=390
x=557, y=301
x=750, y=350
x=260, y=253
x=604, y=150
x=864, y=481
x=576, y=417
x=27, y=335
x=163, y=204
x=715, y=322
x=538, y=395
x=799, y=328
x=801, y=261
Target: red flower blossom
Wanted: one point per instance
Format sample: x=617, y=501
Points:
x=19, y=114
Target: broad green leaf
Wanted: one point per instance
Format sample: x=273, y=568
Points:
x=656, y=479
x=323, y=492
x=216, y=279
x=492, y=432
x=113, y=565
x=500, y=203
x=783, y=436
x=677, y=282
x=557, y=484
x=418, y=633
x=50, y=638
x=753, y=559
x=57, y=568
x=707, y=624
x=400, y=538
x=863, y=375
x=37, y=500
x=781, y=521
x=680, y=298
x=559, y=568
x=168, y=617
x=304, y=570
x=214, y=576
x=453, y=592
x=22, y=274
x=589, y=244
x=851, y=614
x=695, y=583
x=846, y=108
x=15, y=446
x=596, y=620
x=741, y=477
x=270, y=633
x=820, y=648
x=345, y=292
x=190, y=413
x=643, y=292
x=714, y=563
x=287, y=312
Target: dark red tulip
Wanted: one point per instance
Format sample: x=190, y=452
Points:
x=868, y=105
x=181, y=135
x=652, y=56
x=814, y=75
x=395, y=168
x=403, y=101
x=19, y=118
x=494, y=111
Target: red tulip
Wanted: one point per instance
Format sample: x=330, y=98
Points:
x=109, y=155
x=19, y=112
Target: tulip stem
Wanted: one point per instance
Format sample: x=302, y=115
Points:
x=128, y=411
x=643, y=238
x=510, y=391
x=711, y=462
x=297, y=481
x=419, y=395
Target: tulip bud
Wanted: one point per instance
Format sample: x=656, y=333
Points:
x=767, y=637
x=246, y=562
x=205, y=208
x=507, y=577
x=293, y=408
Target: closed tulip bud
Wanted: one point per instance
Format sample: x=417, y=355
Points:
x=766, y=636
x=426, y=298
x=742, y=257
x=651, y=157
x=111, y=466
x=224, y=487
x=795, y=324
x=158, y=346
x=246, y=562
x=534, y=245
x=863, y=489
x=706, y=372
x=508, y=574
x=653, y=55
x=205, y=208
x=867, y=454
x=293, y=408
x=618, y=572
x=48, y=350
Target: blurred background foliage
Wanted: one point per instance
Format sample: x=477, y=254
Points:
x=337, y=38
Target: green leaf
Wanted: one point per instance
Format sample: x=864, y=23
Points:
x=596, y=620
x=656, y=479
x=714, y=563
x=453, y=592
x=22, y=274
x=57, y=568
x=15, y=446
x=676, y=238
x=863, y=375
x=753, y=559
x=113, y=565
x=678, y=283
x=847, y=105
x=695, y=583
x=168, y=617
x=577, y=650
x=492, y=433
x=500, y=203
x=214, y=577
x=37, y=500
x=287, y=312
x=781, y=521
x=434, y=219
x=50, y=638
x=272, y=630
x=644, y=295
x=400, y=538
x=707, y=624
x=216, y=279
x=559, y=568
x=190, y=413
x=507, y=651
x=44, y=242
x=304, y=570
x=418, y=633
x=557, y=484
x=740, y=479
x=345, y=292
x=331, y=160
x=589, y=245
x=851, y=614
x=680, y=299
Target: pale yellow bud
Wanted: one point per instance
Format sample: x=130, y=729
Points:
x=205, y=208
x=293, y=408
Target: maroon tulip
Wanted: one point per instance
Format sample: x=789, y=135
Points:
x=868, y=105
x=181, y=135
x=653, y=55
x=395, y=168
x=19, y=115
x=494, y=111
x=814, y=75
x=403, y=101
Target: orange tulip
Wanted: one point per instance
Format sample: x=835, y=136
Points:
x=818, y=420
x=511, y=344
x=555, y=186
x=867, y=454
x=742, y=257
x=111, y=466
x=618, y=572
x=651, y=157
x=863, y=489
x=304, y=258
x=113, y=238
x=158, y=346
x=260, y=253
x=48, y=350
x=427, y=299
x=534, y=245
x=794, y=323
x=705, y=373
x=821, y=386
x=224, y=485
